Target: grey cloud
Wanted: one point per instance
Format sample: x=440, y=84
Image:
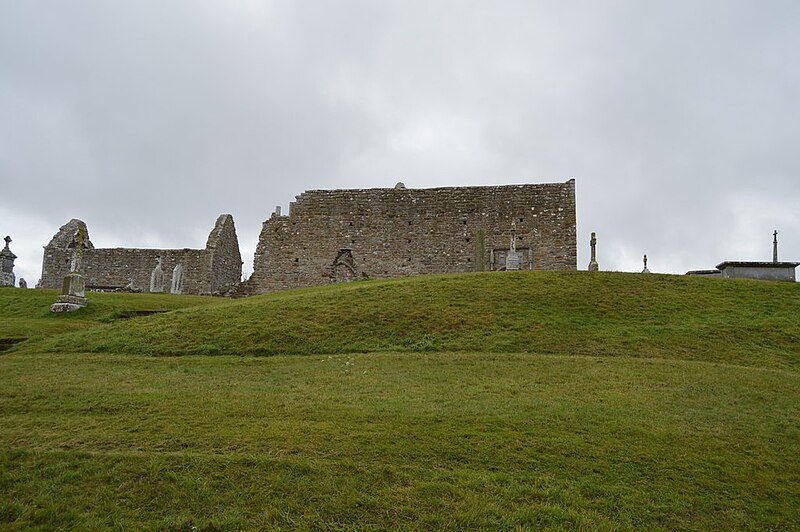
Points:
x=147, y=119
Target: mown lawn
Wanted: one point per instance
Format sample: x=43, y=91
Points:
x=415, y=441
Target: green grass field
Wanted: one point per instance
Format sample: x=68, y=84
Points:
x=519, y=401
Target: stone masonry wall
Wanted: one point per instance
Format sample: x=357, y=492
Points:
x=226, y=260
x=338, y=235
x=214, y=270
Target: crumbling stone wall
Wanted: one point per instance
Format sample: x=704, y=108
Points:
x=226, y=260
x=214, y=270
x=339, y=235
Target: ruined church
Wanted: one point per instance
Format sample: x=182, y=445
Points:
x=214, y=270
x=331, y=236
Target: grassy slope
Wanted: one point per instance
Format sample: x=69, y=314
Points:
x=571, y=313
x=26, y=313
x=694, y=423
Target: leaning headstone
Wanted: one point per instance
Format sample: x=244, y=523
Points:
x=593, y=267
x=645, y=270
x=512, y=259
x=72, y=290
x=130, y=287
x=7, y=265
x=157, y=277
x=177, y=279
x=23, y=283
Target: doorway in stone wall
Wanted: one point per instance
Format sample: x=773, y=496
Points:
x=344, y=267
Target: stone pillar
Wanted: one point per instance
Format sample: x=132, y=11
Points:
x=774, y=246
x=7, y=265
x=593, y=267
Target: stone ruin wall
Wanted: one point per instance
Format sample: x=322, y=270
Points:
x=340, y=235
x=226, y=260
x=214, y=270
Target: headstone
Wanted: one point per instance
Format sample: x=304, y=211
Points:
x=23, y=283
x=7, y=265
x=512, y=259
x=131, y=286
x=157, y=277
x=593, y=267
x=72, y=290
x=645, y=270
x=177, y=279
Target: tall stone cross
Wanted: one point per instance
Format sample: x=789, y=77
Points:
x=593, y=267
x=7, y=265
x=512, y=258
x=77, y=255
x=775, y=246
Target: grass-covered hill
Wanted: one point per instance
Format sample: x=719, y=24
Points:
x=568, y=313
x=510, y=401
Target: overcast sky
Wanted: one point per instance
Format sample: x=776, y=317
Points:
x=679, y=120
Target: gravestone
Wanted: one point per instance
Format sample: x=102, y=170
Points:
x=177, y=279
x=157, y=277
x=73, y=288
x=23, y=283
x=7, y=265
x=593, y=267
x=512, y=258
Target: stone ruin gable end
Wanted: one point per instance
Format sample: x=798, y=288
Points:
x=214, y=270
x=58, y=253
x=400, y=232
x=226, y=260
